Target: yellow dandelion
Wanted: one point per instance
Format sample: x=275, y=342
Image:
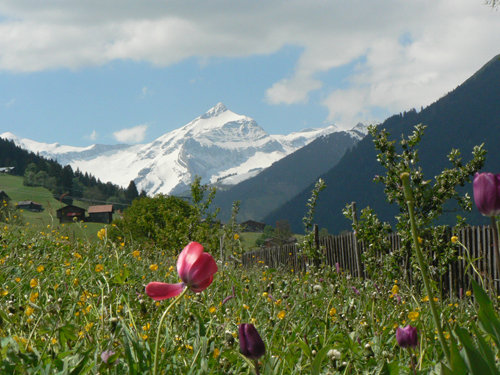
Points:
x=29, y=311
x=395, y=289
x=146, y=327
x=332, y=311
x=212, y=309
x=454, y=239
x=136, y=253
x=281, y=314
x=236, y=236
x=40, y=269
x=246, y=307
x=216, y=353
x=153, y=267
x=468, y=293
x=53, y=341
x=33, y=283
x=101, y=234
x=77, y=256
x=99, y=268
x=425, y=299
x=33, y=297
x=413, y=315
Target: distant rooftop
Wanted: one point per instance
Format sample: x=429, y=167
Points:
x=100, y=208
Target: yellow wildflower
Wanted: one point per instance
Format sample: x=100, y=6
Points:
x=29, y=311
x=136, y=253
x=454, y=239
x=332, y=311
x=40, y=269
x=99, y=268
x=33, y=283
x=236, y=236
x=33, y=297
x=153, y=267
x=212, y=309
x=281, y=314
x=413, y=315
x=395, y=289
x=216, y=353
x=468, y=293
x=101, y=234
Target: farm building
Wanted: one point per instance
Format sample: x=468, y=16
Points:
x=29, y=206
x=253, y=226
x=101, y=214
x=4, y=196
x=67, y=214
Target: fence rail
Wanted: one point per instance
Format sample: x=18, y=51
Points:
x=341, y=249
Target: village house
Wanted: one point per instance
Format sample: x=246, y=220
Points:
x=29, y=206
x=67, y=214
x=101, y=214
x=253, y=226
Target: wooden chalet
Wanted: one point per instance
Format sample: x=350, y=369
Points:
x=101, y=214
x=253, y=226
x=29, y=206
x=67, y=214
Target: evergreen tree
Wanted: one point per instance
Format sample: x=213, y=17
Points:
x=131, y=193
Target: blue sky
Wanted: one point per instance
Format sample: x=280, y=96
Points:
x=116, y=71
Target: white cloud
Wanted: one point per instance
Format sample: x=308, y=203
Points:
x=409, y=53
x=93, y=135
x=10, y=103
x=131, y=135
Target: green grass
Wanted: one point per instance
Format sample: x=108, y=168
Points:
x=64, y=301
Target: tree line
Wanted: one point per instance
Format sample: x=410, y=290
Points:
x=62, y=181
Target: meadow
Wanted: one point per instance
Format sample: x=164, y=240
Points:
x=64, y=302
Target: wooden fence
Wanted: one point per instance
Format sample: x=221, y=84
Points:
x=342, y=249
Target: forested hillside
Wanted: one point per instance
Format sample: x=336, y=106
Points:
x=465, y=117
x=63, y=182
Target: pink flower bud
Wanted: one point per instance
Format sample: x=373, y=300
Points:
x=196, y=270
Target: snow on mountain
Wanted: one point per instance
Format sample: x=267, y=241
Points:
x=220, y=146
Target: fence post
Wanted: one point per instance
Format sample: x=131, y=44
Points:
x=356, y=248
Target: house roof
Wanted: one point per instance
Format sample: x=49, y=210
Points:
x=23, y=203
x=71, y=207
x=100, y=209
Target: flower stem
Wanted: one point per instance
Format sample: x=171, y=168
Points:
x=405, y=177
x=157, y=343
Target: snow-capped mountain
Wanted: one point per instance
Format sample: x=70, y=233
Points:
x=220, y=146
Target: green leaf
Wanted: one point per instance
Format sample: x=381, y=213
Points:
x=471, y=355
x=487, y=317
x=318, y=359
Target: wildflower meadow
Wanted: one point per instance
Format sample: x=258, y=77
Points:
x=76, y=302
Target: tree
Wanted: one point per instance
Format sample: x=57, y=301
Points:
x=131, y=193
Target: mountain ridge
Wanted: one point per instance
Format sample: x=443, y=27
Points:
x=219, y=146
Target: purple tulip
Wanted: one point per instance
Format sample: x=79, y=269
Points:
x=407, y=336
x=251, y=345
x=486, y=187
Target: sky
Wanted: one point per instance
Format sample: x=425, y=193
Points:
x=126, y=71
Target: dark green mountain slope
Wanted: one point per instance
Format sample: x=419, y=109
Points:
x=467, y=116
x=284, y=179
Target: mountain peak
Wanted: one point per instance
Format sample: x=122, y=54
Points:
x=215, y=111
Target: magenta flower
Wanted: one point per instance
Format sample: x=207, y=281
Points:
x=196, y=270
x=486, y=187
x=407, y=336
x=251, y=345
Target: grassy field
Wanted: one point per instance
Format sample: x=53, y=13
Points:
x=64, y=302
x=13, y=186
